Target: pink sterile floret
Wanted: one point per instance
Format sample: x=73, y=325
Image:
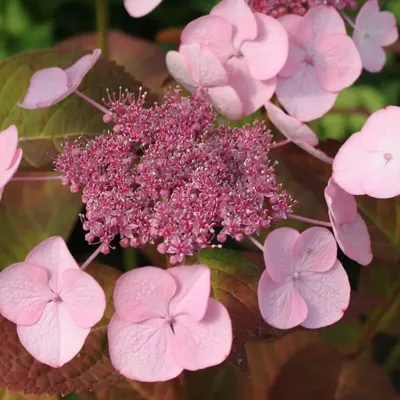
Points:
x=373, y=30
x=349, y=228
x=10, y=155
x=369, y=161
x=165, y=322
x=48, y=86
x=303, y=283
x=238, y=55
x=139, y=8
x=322, y=61
x=52, y=301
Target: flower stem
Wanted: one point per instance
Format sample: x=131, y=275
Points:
x=310, y=220
x=256, y=243
x=91, y=258
x=37, y=178
x=281, y=143
x=102, y=26
x=92, y=102
x=348, y=19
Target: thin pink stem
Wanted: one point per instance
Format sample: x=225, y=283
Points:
x=348, y=19
x=91, y=258
x=281, y=143
x=92, y=102
x=257, y=243
x=37, y=178
x=310, y=220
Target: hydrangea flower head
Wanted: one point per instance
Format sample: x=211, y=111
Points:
x=48, y=86
x=165, y=322
x=140, y=8
x=303, y=282
x=168, y=174
x=52, y=301
x=10, y=155
x=373, y=30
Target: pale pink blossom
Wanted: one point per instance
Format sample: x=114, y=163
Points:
x=165, y=322
x=322, y=61
x=303, y=282
x=140, y=8
x=10, y=155
x=373, y=30
x=369, y=161
x=48, y=86
x=348, y=226
x=53, y=303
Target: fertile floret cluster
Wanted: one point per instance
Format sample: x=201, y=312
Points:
x=168, y=175
x=278, y=8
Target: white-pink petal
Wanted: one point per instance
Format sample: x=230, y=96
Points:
x=8, y=147
x=140, y=8
x=179, y=69
x=76, y=72
x=227, y=101
x=6, y=176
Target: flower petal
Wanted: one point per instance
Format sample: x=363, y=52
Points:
x=24, y=293
x=373, y=56
x=179, y=69
x=290, y=22
x=76, y=72
x=326, y=294
x=202, y=344
x=142, y=351
x=144, y=293
x=211, y=32
x=353, y=238
x=140, y=8
x=54, y=339
x=6, y=176
x=239, y=14
x=281, y=305
x=226, y=100
x=193, y=291
x=267, y=54
x=315, y=250
x=302, y=95
x=53, y=254
x=83, y=297
x=47, y=87
x=8, y=146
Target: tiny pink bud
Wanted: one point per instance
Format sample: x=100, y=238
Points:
x=106, y=119
x=221, y=238
x=74, y=188
x=124, y=242
x=89, y=237
x=162, y=248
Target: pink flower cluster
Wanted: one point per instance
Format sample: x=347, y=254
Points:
x=190, y=179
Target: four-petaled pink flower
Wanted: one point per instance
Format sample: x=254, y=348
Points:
x=251, y=47
x=52, y=301
x=48, y=86
x=373, y=30
x=10, y=155
x=303, y=283
x=165, y=322
x=349, y=228
x=140, y=8
x=369, y=161
x=322, y=60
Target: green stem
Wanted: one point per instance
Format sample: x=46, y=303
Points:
x=131, y=258
x=102, y=26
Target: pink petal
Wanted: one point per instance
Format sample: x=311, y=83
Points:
x=143, y=351
x=239, y=14
x=373, y=56
x=54, y=339
x=178, y=68
x=290, y=22
x=302, y=96
x=202, y=344
x=139, y=8
x=6, y=176
x=391, y=36
x=24, y=293
x=83, y=297
x=211, y=32
x=76, y=72
x=353, y=238
x=291, y=127
x=295, y=59
x=252, y=92
x=226, y=100
x=278, y=249
x=317, y=24
x=338, y=63
x=315, y=250
x=267, y=54
x=342, y=205
x=8, y=146
x=326, y=294
x=144, y=293
x=1, y=192
x=47, y=87
x=53, y=254
x=193, y=291
x=281, y=305
x=205, y=68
